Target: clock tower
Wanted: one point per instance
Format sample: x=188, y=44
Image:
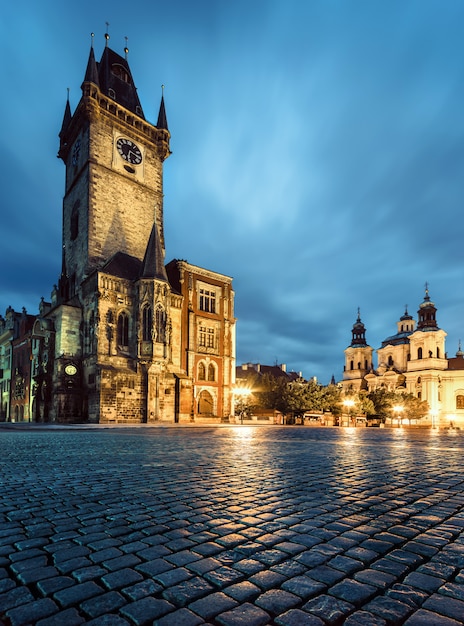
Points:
x=134, y=340
x=114, y=179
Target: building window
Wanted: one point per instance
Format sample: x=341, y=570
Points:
x=201, y=371
x=460, y=402
x=74, y=222
x=351, y=365
x=147, y=322
x=160, y=325
x=120, y=72
x=438, y=353
x=419, y=353
x=123, y=329
x=211, y=372
x=207, y=300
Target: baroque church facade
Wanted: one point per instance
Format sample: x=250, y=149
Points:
x=413, y=360
x=126, y=338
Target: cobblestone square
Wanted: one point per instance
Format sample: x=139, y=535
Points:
x=231, y=526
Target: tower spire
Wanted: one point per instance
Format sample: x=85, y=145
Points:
x=162, y=119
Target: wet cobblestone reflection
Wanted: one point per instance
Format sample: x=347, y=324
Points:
x=231, y=526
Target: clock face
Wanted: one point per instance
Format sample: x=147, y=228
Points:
x=129, y=151
x=70, y=369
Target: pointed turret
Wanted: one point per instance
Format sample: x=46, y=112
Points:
x=162, y=122
x=66, y=118
x=427, y=313
x=153, y=262
x=91, y=73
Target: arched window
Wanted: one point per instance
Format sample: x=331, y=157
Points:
x=366, y=365
x=460, y=402
x=419, y=353
x=390, y=360
x=160, y=325
x=123, y=329
x=201, y=371
x=205, y=403
x=351, y=365
x=147, y=322
x=419, y=380
x=438, y=353
x=211, y=372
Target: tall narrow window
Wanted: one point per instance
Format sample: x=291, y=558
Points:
x=160, y=325
x=147, y=321
x=208, y=300
x=419, y=353
x=211, y=372
x=123, y=329
x=201, y=371
x=74, y=221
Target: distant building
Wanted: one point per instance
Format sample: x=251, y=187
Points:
x=125, y=338
x=412, y=360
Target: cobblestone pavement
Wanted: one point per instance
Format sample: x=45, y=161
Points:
x=234, y=526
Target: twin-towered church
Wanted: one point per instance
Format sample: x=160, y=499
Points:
x=413, y=360
x=126, y=337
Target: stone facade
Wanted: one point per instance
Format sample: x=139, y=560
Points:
x=126, y=339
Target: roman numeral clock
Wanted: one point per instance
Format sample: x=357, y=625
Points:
x=128, y=156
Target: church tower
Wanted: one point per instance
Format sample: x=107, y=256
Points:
x=358, y=358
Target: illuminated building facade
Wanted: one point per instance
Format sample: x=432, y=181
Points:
x=126, y=338
x=413, y=360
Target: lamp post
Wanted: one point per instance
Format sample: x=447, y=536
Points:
x=348, y=404
x=398, y=409
x=241, y=397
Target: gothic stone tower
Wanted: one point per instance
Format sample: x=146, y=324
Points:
x=119, y=330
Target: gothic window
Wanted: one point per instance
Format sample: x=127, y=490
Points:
x=74, y=222
x=460, y=402
x=211, y=372
x=205, y=403
x=160, y=325
x=207, y=300
x=419, y=353
x=147, y=322
x=201, y=371
x=123, y=329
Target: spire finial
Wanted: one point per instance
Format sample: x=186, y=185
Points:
x=67, y=89
x=107, y=36
x=92, y=35
x=162, y=90
x=359, y=314
x=426, y=289
x=126, y=49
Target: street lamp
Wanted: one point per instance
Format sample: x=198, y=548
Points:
x=348, y=404
x=241, y=396
x=398, y=409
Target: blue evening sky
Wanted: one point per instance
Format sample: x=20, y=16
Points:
x=318, y=156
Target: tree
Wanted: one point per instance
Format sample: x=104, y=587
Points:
x=413, y=407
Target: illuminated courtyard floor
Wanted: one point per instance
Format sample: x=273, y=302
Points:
x=233, y=526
